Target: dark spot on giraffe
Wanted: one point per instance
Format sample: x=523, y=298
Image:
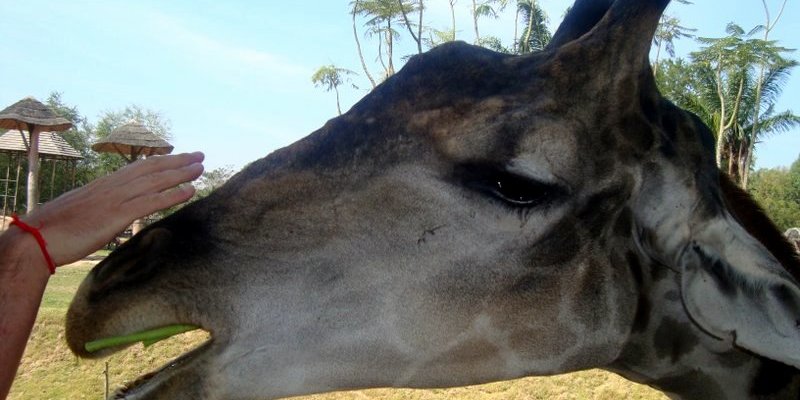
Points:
x=635, y=266
x=649, y=107
x=667, y=148
x=772, y=377
x=643, y=307
x=691, y=385
x=733, y=359
x=637, y=132
x=672, y=295
x=673, y=339
x=558, y=246
x=658, y=271
x=624, y=224
x=594, y=215
x=632, y=354
x=669, y=123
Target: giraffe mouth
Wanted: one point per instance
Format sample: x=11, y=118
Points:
x=150, y=381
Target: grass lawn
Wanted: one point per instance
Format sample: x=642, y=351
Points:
x=50, y=371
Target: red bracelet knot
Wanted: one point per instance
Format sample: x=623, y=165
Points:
x=51, y=265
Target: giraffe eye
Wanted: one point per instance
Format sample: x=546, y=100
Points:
x=522, y=192
x=511, y=189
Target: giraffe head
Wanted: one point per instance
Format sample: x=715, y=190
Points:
x=477, y=217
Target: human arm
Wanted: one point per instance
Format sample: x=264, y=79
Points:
x=74, y=225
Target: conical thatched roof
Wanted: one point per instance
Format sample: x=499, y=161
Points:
x=30, y=111
x=131, y=141
x=51, y=145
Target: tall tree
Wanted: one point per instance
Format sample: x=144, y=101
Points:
x=452, y=17
x=767, y=28
x=536, y=35
x=485, y=8
x=330, y=77
x=669, y=29
x=420, y=7
x=355, y=11
x=732, y=62
x=382, y=16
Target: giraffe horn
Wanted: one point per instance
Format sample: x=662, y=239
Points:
x=626, y=26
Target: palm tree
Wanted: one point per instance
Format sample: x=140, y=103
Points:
x=356, y=10
x=381, y=15
x=733, y=60
x=330, y=77
x=418, y=35
x=485, y=8
x=669, y=29
x=758, y=117
x=535, y=36
x=767, y=28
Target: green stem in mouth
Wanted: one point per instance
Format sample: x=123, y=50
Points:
x=147, y=337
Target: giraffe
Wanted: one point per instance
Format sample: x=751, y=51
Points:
x=477, y=217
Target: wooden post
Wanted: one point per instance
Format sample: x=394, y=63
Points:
x=16, y=184
x=5, y=192
x=52, y=178
x=105, y=372
x=33, y=170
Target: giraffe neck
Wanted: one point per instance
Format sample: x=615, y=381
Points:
x=666, y=350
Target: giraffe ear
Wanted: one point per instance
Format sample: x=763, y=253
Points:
x=734, y=289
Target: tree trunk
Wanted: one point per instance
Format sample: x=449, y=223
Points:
x=33, y=169
x=417, y=38
x=419, y=27
x=338, y=106
x=516, y=31
x=453, y=18
x=380, y=58
x=358, y=46
x=756, y=114
x=658, y=54
x=527, y=42
x=389, y=47
x=475, y=20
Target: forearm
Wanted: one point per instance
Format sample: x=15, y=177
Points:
x=23, y=276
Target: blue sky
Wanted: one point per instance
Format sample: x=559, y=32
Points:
x=233, y=77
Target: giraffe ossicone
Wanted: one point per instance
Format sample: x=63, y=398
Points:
x=477, y=217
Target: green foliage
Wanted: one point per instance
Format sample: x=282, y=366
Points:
x=535, y=36
x=211, y=180
x=778, y=191
x=493, y=43
x=330, y=77
x=733, y=84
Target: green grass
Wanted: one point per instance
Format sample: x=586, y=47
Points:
x=50, y=371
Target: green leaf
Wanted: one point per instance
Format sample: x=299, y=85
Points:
x=147, y=337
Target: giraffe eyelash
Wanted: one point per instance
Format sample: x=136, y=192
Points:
x=512, y=190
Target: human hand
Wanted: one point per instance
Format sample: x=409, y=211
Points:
x=83, y=220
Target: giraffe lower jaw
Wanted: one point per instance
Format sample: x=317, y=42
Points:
x=152, y=383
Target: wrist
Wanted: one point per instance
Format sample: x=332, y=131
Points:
x=22, y=255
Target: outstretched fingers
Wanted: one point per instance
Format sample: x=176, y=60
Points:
x=157, y=182
x=157, y=164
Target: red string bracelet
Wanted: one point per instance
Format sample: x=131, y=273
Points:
x=51, y=265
